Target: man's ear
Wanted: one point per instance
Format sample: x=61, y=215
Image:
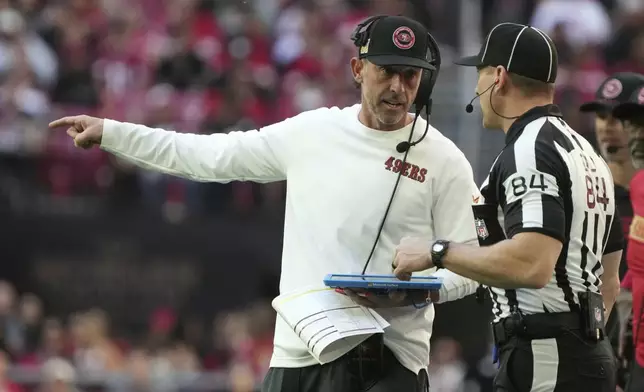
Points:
x=357, y=68
x=500, y=77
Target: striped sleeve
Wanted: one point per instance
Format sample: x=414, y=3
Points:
x=534, y=176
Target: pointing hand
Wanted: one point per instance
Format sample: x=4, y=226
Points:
x=85, y=130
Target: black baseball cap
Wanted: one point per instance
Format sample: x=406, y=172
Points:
x=617, y=89
x=522, y=50
x=634, y=105
x=397, y=40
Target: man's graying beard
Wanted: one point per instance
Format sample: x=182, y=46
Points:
x=636, y=144
x=637, y=153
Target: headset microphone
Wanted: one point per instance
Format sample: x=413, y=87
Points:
x=469, y=108
x=405, y=146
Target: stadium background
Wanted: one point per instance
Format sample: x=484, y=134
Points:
x=122, y=280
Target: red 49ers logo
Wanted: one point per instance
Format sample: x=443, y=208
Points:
x=611, y=89
x=408, y=170
x=404, y=37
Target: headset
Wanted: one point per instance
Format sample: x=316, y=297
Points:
x=360, y=38
x=469, y=108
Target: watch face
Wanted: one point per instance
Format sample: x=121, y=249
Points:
x=438, y=247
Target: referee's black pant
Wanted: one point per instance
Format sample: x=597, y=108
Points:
x=566, y=362
x=370, y=367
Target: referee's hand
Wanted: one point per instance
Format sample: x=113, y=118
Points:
x=412, y=255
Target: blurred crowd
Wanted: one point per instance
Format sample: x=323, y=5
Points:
x=189, y=65
x=231, y=352
x=594, y=39
x=209, y=66
x=81, y=352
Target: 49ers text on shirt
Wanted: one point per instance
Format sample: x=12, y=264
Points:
x=409, y=170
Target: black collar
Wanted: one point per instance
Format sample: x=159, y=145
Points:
x=526, y=118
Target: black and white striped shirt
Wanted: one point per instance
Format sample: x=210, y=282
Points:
x=548, y=179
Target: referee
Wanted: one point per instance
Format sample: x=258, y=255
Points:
x=358, y=179
x=548, y=209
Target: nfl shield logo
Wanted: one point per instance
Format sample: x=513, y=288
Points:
x=481, y=229
x=598, y=314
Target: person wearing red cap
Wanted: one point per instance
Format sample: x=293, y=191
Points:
x=631, y=114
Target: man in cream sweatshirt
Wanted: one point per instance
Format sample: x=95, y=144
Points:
x=341, y=165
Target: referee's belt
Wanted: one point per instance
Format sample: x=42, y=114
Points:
x=535, y=326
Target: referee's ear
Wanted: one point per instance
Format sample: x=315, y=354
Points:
x=500, y=78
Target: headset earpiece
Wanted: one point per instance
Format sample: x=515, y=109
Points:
x=428, y=78
x=360, y=35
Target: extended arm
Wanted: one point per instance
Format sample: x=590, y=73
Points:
x=527, y=260
x=258, y=155
x=531, y=176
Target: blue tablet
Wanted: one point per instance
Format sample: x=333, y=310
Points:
x=380, y=282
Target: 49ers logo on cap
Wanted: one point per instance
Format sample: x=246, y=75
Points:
x=404, y=37
x=612, y=89
x=640, y=97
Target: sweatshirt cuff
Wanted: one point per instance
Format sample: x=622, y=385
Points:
x=111, y=132
x=454, y=286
